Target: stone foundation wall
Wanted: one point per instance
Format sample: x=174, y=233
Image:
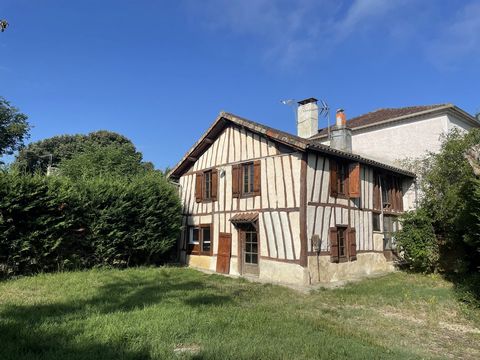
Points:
x=321, y=270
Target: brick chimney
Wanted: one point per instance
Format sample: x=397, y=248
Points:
x=341, y=134
x=307, y=118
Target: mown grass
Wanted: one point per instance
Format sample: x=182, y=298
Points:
x=147, y=313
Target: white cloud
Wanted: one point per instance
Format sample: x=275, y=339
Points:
x=288, y=33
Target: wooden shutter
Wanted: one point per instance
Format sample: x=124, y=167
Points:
x=236, y=174
x=354, y=180
x=214, y=184
x=376, y=193
x=257, y=184
x=333, y=178
x=198, y=187
x=333, y=245
x=352, y=245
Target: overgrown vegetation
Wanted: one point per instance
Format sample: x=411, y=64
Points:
x=172, y=313
x=14, y=128
x=59, y=223
x=55, y=223
x=450, y=206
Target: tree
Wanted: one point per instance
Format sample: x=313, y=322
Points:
x=36, y=156
x=14, y=128
x=101, y=161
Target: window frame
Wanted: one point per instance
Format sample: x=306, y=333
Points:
x=205, y=188
x=250, y=179
x=342, y=178
x=343, y=230
x=197, y=248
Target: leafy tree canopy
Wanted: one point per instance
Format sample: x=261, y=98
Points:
x=14, y=128
x=94, y=152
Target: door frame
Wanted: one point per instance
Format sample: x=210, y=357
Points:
x=241, y=230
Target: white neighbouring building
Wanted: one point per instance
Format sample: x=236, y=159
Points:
x=393, y=134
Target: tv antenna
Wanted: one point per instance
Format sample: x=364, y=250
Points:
x=324, y=110
x=3, y=25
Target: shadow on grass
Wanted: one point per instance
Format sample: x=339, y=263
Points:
x=467, y=288
x=38, y=331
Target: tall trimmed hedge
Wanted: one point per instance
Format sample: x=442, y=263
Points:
x=55, y=223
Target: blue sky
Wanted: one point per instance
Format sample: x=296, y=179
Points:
x=160, y=71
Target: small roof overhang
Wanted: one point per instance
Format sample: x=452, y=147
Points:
x=244, y=218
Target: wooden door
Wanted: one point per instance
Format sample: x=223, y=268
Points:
x=224, y=252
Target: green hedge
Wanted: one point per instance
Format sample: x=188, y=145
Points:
x=55, y=223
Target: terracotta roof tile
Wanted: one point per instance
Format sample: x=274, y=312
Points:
x=244, y=217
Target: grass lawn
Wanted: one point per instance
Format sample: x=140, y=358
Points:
x=146, y=313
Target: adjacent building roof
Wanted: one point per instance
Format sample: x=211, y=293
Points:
x=295, y=142
x=388, y=115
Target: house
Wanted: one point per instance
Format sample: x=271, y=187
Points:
x=264, y=203
x=401, y=133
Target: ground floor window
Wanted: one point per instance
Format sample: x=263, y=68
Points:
x=343, y=244
x=200, y=239
x=376, y=222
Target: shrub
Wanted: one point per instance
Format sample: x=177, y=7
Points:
x=56, y=223
x=418, y=242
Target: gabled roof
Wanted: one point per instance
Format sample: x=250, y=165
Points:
x=295, y=142
x=388, y=115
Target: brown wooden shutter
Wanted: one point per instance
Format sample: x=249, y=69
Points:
x=198, y=187
x=376, y=193
x=354, y=180
x=236, y=172
x=333, y=178
x=333, y=245
x=214, y=184
x=352, y=245
x=257, y=184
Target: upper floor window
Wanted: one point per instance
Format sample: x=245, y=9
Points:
x=344, y=179
x=248, y=178
x=387, y=193
x=206, y=185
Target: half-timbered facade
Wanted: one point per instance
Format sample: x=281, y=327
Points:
x=264, y=203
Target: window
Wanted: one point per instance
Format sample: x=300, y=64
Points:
x=342, y=178
x=390, y=225
x=246, y=179
x=206, y=239
x=200, y=240
x=341, y=242
x=207, y=185
x=247, y=176
x=251, y=247
x=385, y=191
x=376, y=221
x=392, y=195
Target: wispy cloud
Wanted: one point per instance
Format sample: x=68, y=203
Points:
x=289, y=33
